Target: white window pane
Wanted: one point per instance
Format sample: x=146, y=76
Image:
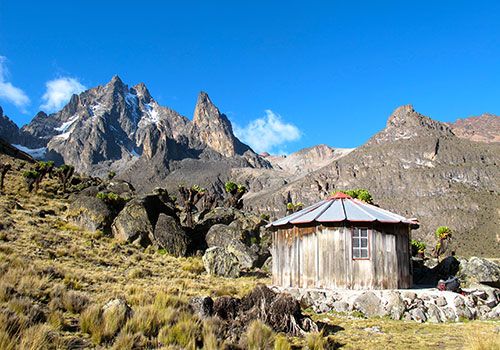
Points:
x=364, y=253
x=364, y=233
x=355, y=253
x=355, y=243
x=364, y=242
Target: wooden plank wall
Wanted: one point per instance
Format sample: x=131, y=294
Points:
x=321, y=257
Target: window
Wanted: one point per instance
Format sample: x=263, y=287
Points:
x=360, y=243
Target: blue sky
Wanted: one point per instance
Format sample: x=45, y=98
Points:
x=299, y=73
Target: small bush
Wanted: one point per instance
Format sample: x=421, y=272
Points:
x=184, y=333
x=281, y=343
x=316, y=341
x=74, y=301
x=146, y=320
x=259, y=336
x=126, y=341
x=38, y=337
x=91, y=323
x=194, y=265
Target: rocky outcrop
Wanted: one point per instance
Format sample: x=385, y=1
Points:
x=90, y=213
x=139, y=218
x=213, y=129
x=169, y=235
x=231, y=239
x=420, y=305
x=479, y=270
x=219, y=262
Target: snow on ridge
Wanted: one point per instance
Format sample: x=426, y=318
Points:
x=152, y=116
x=63, y=136
x=131, y=99
x=37, y=153
x=66, y=125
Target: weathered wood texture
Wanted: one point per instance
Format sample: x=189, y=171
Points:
x=321, y=257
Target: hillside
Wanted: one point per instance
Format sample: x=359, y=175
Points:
x=418, y=168
x=484, y=128
x=56, y=279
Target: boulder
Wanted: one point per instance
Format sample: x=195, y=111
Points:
x=218, y=215
x=231, y=239
x=218, y=261
x=169, y=235
x=90, y=213
x=482, y=271
x=434, y=315
x=449, y=266
x=369, y=304
x=118, y=309
x=123, y=188
x=133, y=223
x=139, y=217
x=202, y=306
x=395, y=306
x=418, y=315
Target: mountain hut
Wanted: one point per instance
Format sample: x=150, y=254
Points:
x=342, y=243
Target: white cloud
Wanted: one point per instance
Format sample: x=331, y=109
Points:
x=8, y=91
x=59, y=92
x=264, y=134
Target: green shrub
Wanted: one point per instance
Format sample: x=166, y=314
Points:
x=417, y=247
x=360, y=194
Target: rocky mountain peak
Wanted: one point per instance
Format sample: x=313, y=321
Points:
x=142, y=91
x=205, y=110
x=214, y=129
x=406, y=123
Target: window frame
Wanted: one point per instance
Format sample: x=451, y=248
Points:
x=368, y=245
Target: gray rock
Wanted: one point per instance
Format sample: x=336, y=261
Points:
x=218, y=261
x=464, y=312
x=202, y=306
x=441, y=301
x=118, y=309
x=409, y=295
x=133, y=223
x=169, y=235
x=231, y=239
x=341, y=306
x=481, y=270
x=418, y=315
x=369, y=304
x=449, y=314
x=494, y=313
x=90, y=213
x=434, y=314
x=395, y=306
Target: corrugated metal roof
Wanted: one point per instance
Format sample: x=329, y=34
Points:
x=341, y=207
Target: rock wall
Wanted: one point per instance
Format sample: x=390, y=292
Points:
x=420, y=305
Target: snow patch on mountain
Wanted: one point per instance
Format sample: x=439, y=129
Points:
x=66, y=125
x=37, y=153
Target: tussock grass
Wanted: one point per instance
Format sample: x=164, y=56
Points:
x=259, y=336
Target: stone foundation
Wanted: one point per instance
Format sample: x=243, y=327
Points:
x=420, y=305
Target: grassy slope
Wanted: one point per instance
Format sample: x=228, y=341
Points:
x=47, y=263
